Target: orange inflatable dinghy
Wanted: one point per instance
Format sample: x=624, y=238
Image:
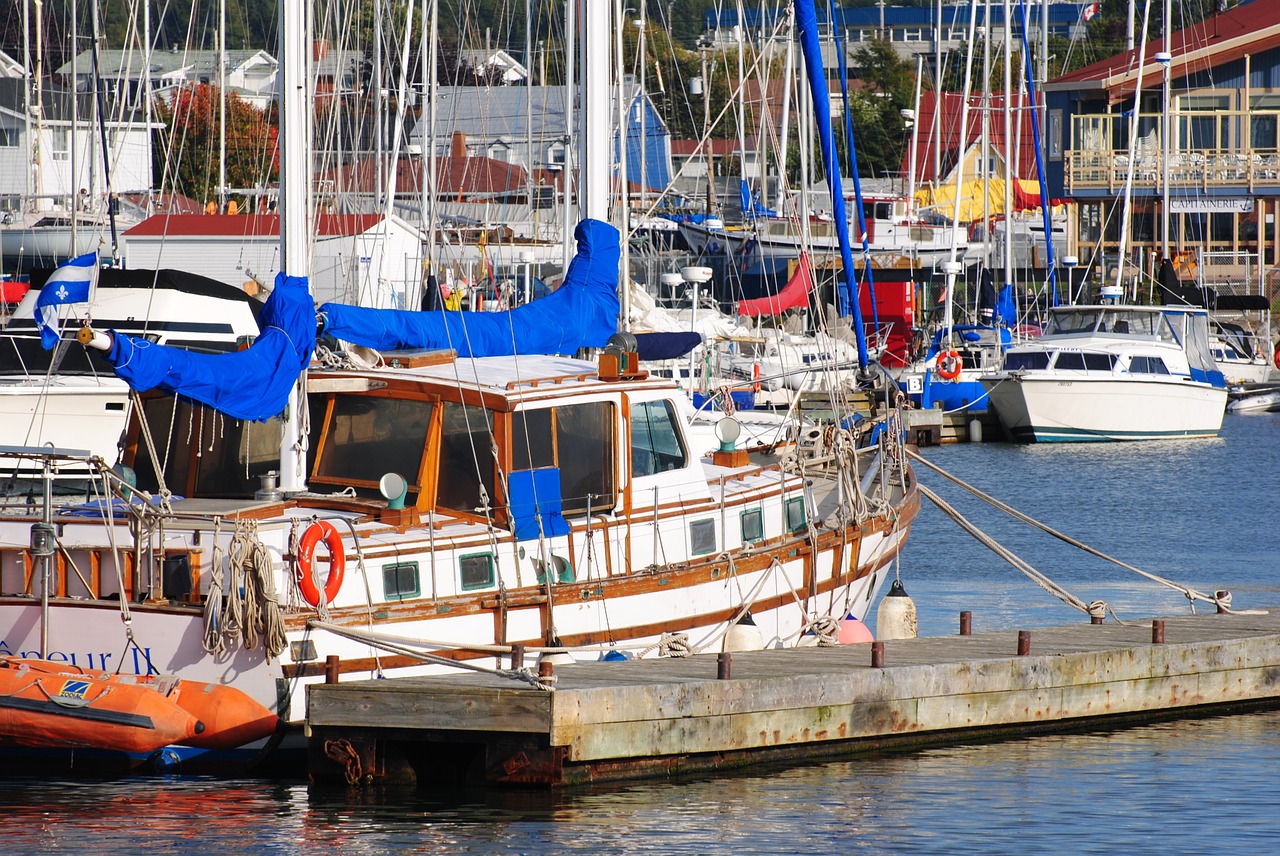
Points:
x=42, y=705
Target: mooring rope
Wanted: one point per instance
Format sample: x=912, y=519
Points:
x=1192, y=595
x=409, y=648
x=1009, y=556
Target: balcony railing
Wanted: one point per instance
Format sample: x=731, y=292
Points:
x=1210, y=151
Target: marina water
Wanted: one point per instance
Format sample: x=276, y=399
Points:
x=1201, y=513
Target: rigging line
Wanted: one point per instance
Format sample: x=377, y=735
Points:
x=1190, y=593
x=1009, y=556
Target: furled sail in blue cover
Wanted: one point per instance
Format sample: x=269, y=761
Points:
x=252, y=384
x=583, y=312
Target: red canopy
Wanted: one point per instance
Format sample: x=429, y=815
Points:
x=795, y=293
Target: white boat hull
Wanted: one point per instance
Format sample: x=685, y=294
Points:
x=1053, y=410
x=67, y=412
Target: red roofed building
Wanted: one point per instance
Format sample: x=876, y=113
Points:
x=1218, y=151
x=356, y=258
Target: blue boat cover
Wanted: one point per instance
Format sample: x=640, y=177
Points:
x=583, y=312
x=253, y=384
x=666, y=346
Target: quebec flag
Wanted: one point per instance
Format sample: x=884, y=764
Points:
x=70, y=283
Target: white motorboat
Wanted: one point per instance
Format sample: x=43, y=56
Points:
x=1111, y=372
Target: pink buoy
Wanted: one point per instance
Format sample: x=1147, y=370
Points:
x=853, y=631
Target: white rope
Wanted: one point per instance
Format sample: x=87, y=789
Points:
x=1189, y=593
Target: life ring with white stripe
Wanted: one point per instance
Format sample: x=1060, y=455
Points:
x=321, y=530
x=950, y=365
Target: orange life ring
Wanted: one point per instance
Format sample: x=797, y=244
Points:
x=1275, y=358
x=321, y=530
x=949, y=365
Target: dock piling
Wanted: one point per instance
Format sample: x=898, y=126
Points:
x=966, y=623
x=517, y=657
x=877, y=655
x=724, y=665
x=1157, y=632
x=1024, y=643
x=331, y=669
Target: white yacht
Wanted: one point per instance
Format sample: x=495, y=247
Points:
x=1111, y=372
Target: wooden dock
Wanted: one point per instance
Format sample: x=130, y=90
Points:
x=617, y=720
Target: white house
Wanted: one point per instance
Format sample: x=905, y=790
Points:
x=357, y=258
x=250, y=74
x=53, y=180
x=511, y=70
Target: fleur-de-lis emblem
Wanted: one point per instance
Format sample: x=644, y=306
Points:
x=62, y=292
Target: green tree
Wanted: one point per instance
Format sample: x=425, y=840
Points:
x=876, y=107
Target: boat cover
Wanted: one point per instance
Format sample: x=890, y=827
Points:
x=252, y=384
x=794, y=293
x=583, y=312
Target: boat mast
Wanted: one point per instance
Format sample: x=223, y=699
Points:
x=222, y=107
x=1167, y=64
x=594, y=190
x=952, y=267
x=102, y=136
x=1008, y=139
x=295, y=210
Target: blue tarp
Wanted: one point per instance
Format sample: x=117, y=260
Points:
x=583, y=312
x=252, y=384
x=536, y=494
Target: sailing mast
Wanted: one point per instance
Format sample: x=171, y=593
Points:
x=295, y=210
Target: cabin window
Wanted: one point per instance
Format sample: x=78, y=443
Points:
x=1065, y=323
x=1033, y=361
x=369, y=436
x=1095, y=362
x=400, y=580
x=752, y=526
x=1147, y=365
x=476, y=571
x=206, y=453
x=466, y=458
x=702, y=537
x=577, y=438
x=656, y=444
x=1069, y=361
x=795, y=514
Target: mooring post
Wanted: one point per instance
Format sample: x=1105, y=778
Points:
x=877, y=655
x=724, y=665
x=331, y=669
x=1024, y=643
x=517, y=657
x=966, y=623
x=546, y=669
x=1157, y=631
x=1223, y=600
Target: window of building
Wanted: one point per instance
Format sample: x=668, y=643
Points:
x=10, y=138
x=60, y=139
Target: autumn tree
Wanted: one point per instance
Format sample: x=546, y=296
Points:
x=185, y=154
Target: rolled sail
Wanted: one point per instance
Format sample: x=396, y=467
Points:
x=582, y=312
x=252, y=384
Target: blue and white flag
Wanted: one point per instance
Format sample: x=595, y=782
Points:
x=70, y=283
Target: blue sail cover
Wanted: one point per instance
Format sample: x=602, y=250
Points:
x=253, y=384
x=583, y=312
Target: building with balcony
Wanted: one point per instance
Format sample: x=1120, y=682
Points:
x=1214, y=155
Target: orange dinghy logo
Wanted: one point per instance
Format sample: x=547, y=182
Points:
x=74, y=689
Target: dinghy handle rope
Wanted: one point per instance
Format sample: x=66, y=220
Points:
x=1189, y=593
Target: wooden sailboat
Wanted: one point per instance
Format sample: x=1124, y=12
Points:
x=464, y=495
